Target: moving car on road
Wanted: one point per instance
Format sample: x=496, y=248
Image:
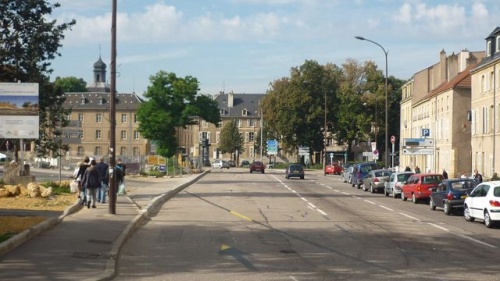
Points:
x=257, y=166
x=220, y=164
x=294, y=170
x=450, y=194
x=484, y=203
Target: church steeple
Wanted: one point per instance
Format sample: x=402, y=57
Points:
x=99, y=84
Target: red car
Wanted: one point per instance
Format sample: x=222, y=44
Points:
x=334, y=168
x=257, y=166
x=419, y=186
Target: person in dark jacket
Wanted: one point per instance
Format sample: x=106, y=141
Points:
x=102, y=168
x=79, y=177
x=91, y=183
x=445, y=174
x=478, y=177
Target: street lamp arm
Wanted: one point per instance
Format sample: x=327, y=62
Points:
x=364, y=39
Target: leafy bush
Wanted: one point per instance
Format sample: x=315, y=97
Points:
x=58, y=189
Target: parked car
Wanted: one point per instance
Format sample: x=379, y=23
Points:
x=333, y=168
x=419, y=186
x=344, y=169
x=450, y=194
x=375, y=180
x=484, y=203
x=294, y=170
x=257, y=166
x=220, y=164
x=245, y=163
x=395, y=183
x=360, y=171
x=347, y=173
x=231, y=163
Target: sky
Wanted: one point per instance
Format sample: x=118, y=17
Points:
x=245, y=45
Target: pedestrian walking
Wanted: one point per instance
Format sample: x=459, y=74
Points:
x=445, y=174
x=102, y=168
x=417, y=170
x=120, y=169
x=79, y=175
x=477, y=176
x=91, y=183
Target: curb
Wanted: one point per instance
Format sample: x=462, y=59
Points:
x=20, y=238
x=110, y=270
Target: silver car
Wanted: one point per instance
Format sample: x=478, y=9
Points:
x=375, y=180
x=395, y=183
x=346, y=174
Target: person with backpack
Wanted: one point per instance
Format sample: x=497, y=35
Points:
x=120, y=176
x=91, y=183
x=79, y=177
x=102, y=168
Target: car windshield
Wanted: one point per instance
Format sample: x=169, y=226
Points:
x=367, y=168
x=403, y=177
x=457, y=185
x=383, y=174
x=295, y=167
x=496, y=191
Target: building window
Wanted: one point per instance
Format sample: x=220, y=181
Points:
x=123, y=150
x=136, y=135
x=135, y=118
x=98, y=134
x=485, y=120
x=250, y=123
x=483, y=83
x=217, y=137
x=497, y=48
x=492, y=80
x=123, y=135
x=124, y=118
x=251, y=136
x=98, y=150
x=81, y=134
x=80, y=151
x=244, y=112
x=80, y=117
x=252, y=152
x=204, y=135
x=136, y=151
x=239, y=123
x=98, y=118
x=488, y=48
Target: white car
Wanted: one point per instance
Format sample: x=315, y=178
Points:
x=395, y=183
x=484, y=203
x=220, y=164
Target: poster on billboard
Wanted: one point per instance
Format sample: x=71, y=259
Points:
x=19, y=111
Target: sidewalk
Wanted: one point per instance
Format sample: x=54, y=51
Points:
x=83, y=244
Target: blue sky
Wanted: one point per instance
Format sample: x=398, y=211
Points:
x=244, y=45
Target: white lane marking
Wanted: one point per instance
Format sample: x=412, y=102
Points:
x=312, y=205
x=338, y=191
x=321, y=212
x=371, y=202
x=408, y=216
x=463, y=236
x=346, y=193
x=293, y=278
x=357, y=197
x=389, y=209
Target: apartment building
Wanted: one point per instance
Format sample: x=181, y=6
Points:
x=89, y=131
x=434, y=106
x=485, y=103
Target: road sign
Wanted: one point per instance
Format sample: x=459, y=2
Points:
x=393, y=139
x=418, y=151
x=272, y=147
x=426, y=132
x=303, y=150
x=425, y=142
x=368, y=153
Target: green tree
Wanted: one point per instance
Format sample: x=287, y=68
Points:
x=173, y=102
x=231, y=140
x=29, y=41
x=71, y=84
x=294, y=108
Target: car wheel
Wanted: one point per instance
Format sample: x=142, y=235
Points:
x=467, y=215
x=359, y=186
x=262, y=171
x=487, y=219
x=301, y=178
x=394, y=195
x=447, y=209
x=371, y=189
x=432, y=205
x=414, y=199
x=403, y=197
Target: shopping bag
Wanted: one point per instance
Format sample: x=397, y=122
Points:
x=73, y=186
x=121, y=189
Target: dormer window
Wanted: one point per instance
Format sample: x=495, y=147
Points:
x=488, y=48
x=82, y=101
x=244, y=112
x=222, y=112
x=101, y=100
x=497, y=45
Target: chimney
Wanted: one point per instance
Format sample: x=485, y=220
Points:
x=230, y=99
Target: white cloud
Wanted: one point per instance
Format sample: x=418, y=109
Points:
x=479, y=11
x=404, y=13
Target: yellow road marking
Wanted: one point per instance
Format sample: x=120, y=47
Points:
x=241, y=216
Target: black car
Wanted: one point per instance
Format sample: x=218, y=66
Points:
x=232, y=163
x=245, y=163
x=450, y=194
x=294, y=170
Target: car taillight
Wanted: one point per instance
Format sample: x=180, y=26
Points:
x=495, y=203
x=376, y=180
x=449, y=196
x=418, y=188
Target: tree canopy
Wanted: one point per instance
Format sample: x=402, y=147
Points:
x=173, y=102
x=231, y=140
x=71, y=84
x=29, y=41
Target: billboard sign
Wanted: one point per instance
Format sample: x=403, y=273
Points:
x=19, y=111
x=272, y=147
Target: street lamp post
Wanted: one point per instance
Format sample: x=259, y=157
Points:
x=324, y=142
x=386, y=100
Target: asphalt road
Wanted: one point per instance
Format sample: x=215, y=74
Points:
x=232, y=225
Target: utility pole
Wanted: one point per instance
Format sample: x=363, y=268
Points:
x=112, y=120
